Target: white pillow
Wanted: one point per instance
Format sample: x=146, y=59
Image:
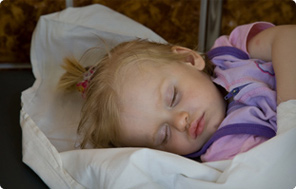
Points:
x=49, y=120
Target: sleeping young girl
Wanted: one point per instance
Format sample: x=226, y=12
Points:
x=171, y=98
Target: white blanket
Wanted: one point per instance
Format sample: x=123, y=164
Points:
x=49, y=120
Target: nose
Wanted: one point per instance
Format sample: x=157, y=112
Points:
x=180, y=121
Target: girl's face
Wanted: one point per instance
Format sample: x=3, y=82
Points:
x=171, y=107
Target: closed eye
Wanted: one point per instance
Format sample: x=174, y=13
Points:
x=174, y=97
x=166, y=136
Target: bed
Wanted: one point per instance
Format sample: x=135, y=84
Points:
x=49, y=119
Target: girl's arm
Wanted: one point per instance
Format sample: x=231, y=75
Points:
x=278, y=44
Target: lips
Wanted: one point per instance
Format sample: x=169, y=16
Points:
x=197, y=127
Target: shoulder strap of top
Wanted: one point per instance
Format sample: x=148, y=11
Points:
x=239, y=128
x=227, y=50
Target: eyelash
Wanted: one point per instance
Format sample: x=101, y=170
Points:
x=174, y=97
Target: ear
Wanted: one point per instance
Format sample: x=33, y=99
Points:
x=192, y=57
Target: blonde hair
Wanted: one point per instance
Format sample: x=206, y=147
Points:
x=100, y=119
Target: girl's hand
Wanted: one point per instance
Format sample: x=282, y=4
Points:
x=278, y=44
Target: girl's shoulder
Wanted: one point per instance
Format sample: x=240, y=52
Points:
x=240, y=35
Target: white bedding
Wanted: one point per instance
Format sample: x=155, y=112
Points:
x=49, y=119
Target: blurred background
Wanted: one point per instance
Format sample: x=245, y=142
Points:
x=177, y=21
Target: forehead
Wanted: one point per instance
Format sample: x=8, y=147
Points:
x=133, y=75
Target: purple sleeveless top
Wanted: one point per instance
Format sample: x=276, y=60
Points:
x=251, y=114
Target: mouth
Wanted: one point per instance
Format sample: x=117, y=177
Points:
x=197, y=127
